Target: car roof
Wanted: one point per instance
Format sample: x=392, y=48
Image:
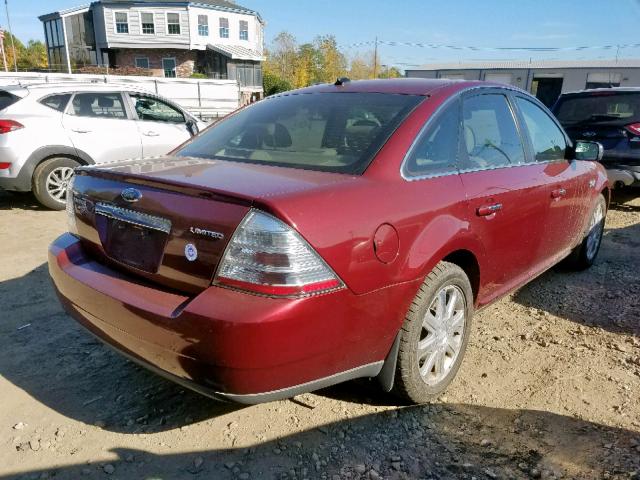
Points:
x=603, y=90
x=404, y=86
x=76, y=87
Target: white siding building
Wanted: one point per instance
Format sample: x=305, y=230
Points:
x=170, y=38
x=545, y=79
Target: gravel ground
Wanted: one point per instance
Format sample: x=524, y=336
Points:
x=550, y=388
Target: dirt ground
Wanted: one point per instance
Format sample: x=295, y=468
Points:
x=550, y=388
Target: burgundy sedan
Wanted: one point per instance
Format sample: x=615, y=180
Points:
x=329, y=233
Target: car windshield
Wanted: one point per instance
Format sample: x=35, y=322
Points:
x=602, y=107
x=333, y=132
x=7, y=99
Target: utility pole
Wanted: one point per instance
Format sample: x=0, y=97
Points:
x=13, y=45
x=375, y=58
x=4, y=56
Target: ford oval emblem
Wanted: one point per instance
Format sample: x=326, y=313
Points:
x=131, y=195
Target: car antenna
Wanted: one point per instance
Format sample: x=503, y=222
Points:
x=341, y=81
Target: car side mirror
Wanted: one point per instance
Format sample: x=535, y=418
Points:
x=192, y=127
x=590, y=151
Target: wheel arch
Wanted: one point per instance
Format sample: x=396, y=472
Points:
x=46, y=153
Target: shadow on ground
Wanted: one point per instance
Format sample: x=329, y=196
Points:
x=449, y=441
x=19, y=201
x=579, y=296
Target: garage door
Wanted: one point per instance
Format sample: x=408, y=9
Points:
x=505, y=78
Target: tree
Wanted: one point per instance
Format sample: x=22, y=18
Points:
x=9, y=49
x=332, y=63
x=281, y=57
x=273, y=84
x=306, y=66
x=34, y=56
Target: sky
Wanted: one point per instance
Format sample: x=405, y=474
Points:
x=479, y=23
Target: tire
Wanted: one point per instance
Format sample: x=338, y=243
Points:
x=421, y=377
x=50, y=180
x=585, y=254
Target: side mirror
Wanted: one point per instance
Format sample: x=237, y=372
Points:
x=192, y=127
x=590, y=151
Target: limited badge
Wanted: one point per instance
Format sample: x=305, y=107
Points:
x=191, y=252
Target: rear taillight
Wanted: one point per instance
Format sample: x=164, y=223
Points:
x=266, y=256
x=7, y=126
x=5, y=165
x=633, y=128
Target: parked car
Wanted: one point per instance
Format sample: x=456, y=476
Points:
x=46, y=130
x=610, y=116
x=333, y=232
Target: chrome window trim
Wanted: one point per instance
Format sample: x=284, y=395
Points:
x=133, y=217
x=458, y=96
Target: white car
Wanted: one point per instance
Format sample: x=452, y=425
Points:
x=46, y=130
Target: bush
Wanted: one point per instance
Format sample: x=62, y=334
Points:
x=273, y=84
x=124, y=71
x=198, y=75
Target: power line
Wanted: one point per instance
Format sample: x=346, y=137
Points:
x=471, y=48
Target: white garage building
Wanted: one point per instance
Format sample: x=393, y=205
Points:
x=546, y=79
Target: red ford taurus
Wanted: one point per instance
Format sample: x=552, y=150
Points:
x=329, y=233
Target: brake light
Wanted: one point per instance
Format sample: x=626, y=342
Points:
x=268, y=257
x=7, y=126
x=5, y=165
x=634, y=128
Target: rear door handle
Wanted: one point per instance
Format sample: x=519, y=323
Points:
x=558, y=193
x=79, y=130
x=487, y=210
x=151, y=133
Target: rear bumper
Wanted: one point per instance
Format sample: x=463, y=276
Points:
x=229, y=344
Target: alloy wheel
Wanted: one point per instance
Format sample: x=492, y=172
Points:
x=441, y=336
x=595, y=232
x=57, y=182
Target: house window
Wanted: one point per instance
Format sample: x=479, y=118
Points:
x=244, y=30
x=148, y=25
x=122, y=22
x=203, y=25
x=173, y=23
x=224, y=28
x=169, y=67
x=142, y=62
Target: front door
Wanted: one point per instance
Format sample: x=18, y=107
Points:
x=98, y=125
x=162, y=126
x=169, y=67
x=506, y=204
x=563, y=179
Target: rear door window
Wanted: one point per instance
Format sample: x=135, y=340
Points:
x=490, y=136
x=98, y=105
x=7, y=99
x=57, y=102
x=548, y=141
x=436, y=150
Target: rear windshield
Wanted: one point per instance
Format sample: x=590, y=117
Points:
x=333, y=132
x=602, y=107
x=7, y=99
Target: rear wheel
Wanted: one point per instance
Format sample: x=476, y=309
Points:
x=434, y=336
x=50, y=180
x=584, y=255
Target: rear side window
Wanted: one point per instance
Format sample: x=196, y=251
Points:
x=548, y=140
x=57, y=102
x=607, y=108
x=490, y=136
x=333, y=132
x=7, y=99
x=436, y=150
x=98, y=105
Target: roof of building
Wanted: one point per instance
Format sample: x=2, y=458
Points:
x=236, y=52
x=527, y=64
x=217, y=4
